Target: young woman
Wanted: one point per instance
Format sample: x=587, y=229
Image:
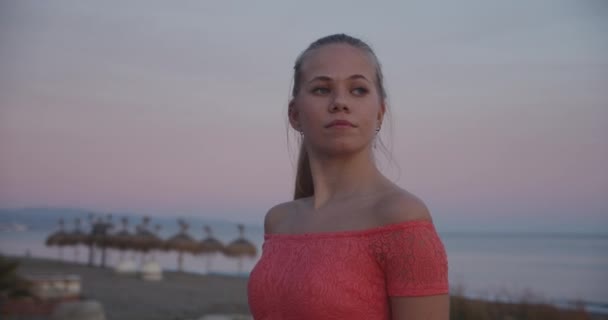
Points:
x=352, y=244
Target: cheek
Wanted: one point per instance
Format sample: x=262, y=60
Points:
x=311, y=110
x=369, y=116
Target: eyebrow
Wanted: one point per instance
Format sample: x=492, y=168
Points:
x=326, y=78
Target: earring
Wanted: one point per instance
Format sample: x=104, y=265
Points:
x=377, y=130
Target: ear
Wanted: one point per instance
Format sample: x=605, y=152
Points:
x=294, y=116
x=381, y=113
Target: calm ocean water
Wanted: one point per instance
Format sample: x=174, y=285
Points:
x=554, y=268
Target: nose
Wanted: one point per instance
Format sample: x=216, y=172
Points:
x=338, y=103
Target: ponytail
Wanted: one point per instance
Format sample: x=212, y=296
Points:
x=304, y=186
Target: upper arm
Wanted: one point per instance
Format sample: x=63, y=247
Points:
x=436, y=307
x=415, y=263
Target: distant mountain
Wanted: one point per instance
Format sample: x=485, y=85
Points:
x=46, y=219
x=41, y=218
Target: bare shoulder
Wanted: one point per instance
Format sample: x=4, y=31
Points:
x=400, y=206
x=277, y=215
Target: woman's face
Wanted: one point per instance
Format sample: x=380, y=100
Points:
x=337, y=83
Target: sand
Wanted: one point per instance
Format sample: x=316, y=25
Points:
x=177, y=296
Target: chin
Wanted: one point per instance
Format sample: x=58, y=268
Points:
x=342, y=148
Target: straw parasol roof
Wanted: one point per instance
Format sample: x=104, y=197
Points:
x=77, y=236
x=99, y=235
x=144, y=239
x=59, y=237
x=210, y=244
x=240, y=247
x=182, y=241
x=122, y=239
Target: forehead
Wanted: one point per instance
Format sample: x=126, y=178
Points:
x=337, y=61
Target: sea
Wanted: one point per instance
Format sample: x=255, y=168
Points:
x=562, y=269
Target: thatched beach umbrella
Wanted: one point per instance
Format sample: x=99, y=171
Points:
x=58, y=238
x=121, y=240
x=182, y=242
x=89, y=240
x=240, y=248
x=100, y=237
x=76, y=238
x=145, y=240
x=161, y=243
x=104, y=240
x=209, y=246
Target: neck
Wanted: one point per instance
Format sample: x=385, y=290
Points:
x=341, y=178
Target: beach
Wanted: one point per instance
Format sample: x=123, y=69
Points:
x=194, y=296
x=177, y=296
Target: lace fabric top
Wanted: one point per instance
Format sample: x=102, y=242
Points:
x=346, y=275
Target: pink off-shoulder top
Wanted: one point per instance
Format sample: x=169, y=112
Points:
x=348, y=274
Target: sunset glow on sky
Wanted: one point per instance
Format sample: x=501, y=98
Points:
x=499, y=110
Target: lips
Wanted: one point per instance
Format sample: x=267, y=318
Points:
x=340, y=123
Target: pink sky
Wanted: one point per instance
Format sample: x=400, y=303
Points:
x=499, y=112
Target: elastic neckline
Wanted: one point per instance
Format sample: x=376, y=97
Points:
x=350, y=233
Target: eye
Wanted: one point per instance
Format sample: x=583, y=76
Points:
x=360, y=91
x=320, y=90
